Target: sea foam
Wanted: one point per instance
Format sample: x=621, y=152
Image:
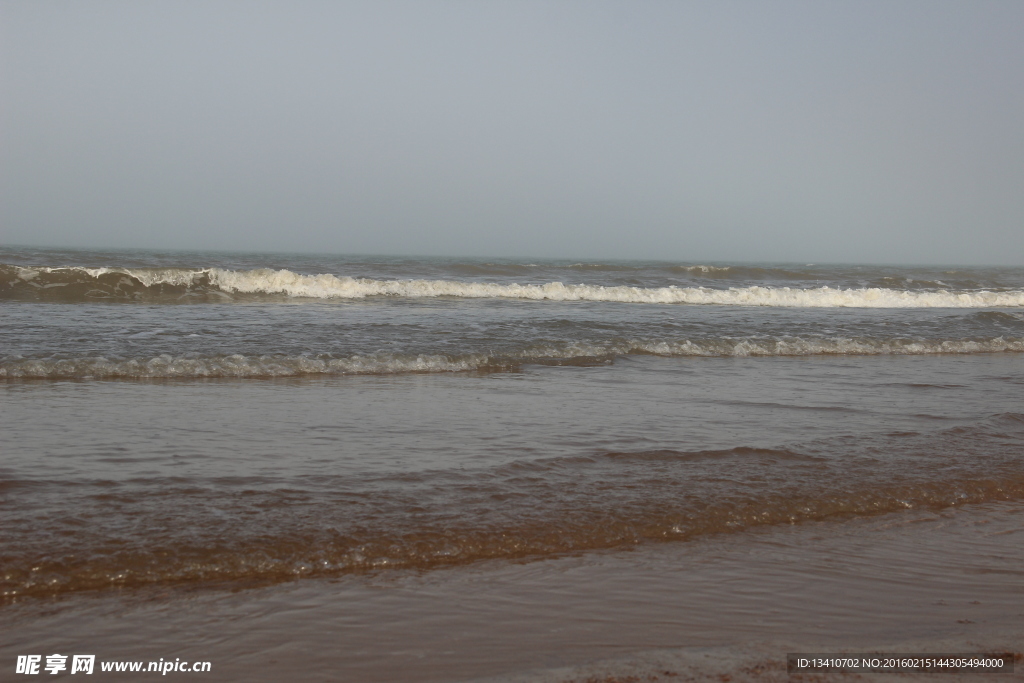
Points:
x=334, y=287
x=127, y=283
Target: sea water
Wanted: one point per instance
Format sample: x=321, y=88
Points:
x=304, y=429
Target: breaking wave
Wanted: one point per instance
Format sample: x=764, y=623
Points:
x=91, y=284
x=237, y=365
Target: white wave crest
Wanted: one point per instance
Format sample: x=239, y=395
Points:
x=707, y=269
x=334, y=287
x=326, y=286
x=179, y=277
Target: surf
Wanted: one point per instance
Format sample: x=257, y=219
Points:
x=78, y=284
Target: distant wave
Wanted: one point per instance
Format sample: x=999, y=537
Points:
x=619, y=267
x=279, y=365
x=84, y=284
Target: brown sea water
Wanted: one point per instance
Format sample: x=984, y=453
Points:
x=398, y=469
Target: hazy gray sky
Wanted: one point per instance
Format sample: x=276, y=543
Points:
x=716, y=130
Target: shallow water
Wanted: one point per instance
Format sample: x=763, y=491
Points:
x=169, y=436
x=727, y=605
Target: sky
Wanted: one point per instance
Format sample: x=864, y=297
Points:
x=732, y=131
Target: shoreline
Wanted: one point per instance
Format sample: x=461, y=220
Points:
x=721, y=606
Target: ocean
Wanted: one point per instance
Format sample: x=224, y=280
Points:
x=368, y=468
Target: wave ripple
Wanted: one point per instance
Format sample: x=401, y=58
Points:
x=166, y=366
